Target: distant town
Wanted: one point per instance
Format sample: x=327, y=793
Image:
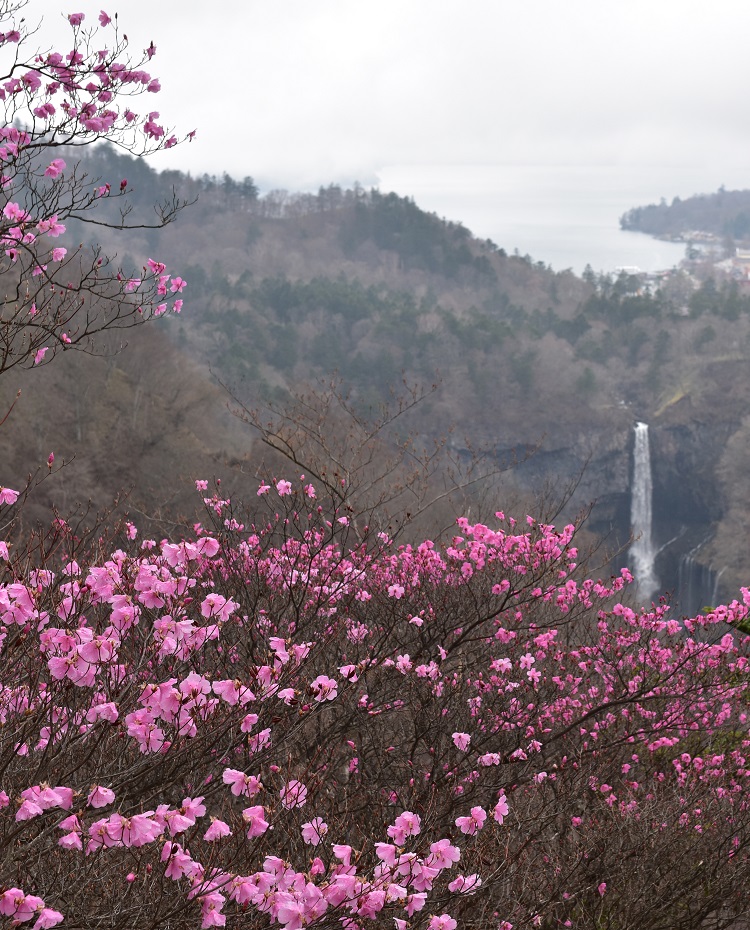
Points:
x=706, y=256
x=715, y=229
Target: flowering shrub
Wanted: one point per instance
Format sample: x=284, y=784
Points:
x=284, y=720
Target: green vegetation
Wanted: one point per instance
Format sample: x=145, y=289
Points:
x=420, y=239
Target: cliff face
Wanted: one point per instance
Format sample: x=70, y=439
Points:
x=590, y=466
x=691, y=506
x=698, y=514
x=728, y=550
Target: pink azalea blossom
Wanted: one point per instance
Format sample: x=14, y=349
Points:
x=8, y=496
x=71, y=841
x=72, y=822
x=406, y=824
x=193, y=808
x=473, y=824
x=55, y=168
x=293, y=794
x=442, y=922
x=443, y=854
x=217, y=606
x=314, y=831
x=13, y=211
x=104, y=19
x=284, y=488
x=387, y=853
x=415, y=902
x=10, y=901
x=242, y=784
x=211, y=915
x=500, y=810
x=52, y=227
x=39, y=355
x=28, y=810
x=47, y=918
x=254, y=817
x=216, y=831
x=324, y=688
x=343, y=852
x=465, y=884
x=100, y=797
x=461, y=741
x=31, y=80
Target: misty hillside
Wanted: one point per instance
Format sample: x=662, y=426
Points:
x=286, y=289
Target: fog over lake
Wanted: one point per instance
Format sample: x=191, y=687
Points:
x=538, y=124
x=566, y=217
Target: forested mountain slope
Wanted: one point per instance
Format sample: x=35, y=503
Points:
x=286, y=289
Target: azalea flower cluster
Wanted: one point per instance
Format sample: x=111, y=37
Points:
x=292, y=717
x=84, y=91
x=55, y=101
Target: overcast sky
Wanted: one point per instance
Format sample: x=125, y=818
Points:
x=303, y=92
x=307, y=92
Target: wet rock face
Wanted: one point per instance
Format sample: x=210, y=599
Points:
x=690, y=505
x=689, y=499
x=595, y=465
x=687, y=490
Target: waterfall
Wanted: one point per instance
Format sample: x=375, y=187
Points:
x=642, y=552
x=697, y=582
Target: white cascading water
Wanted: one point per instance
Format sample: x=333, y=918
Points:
x=642, y=552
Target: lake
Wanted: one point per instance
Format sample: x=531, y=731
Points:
x=564, y=216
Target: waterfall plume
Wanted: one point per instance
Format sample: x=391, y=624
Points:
x=642, y=552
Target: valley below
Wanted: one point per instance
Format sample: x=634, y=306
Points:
x=539, y=375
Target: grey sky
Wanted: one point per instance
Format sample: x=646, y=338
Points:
x=307, y=92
